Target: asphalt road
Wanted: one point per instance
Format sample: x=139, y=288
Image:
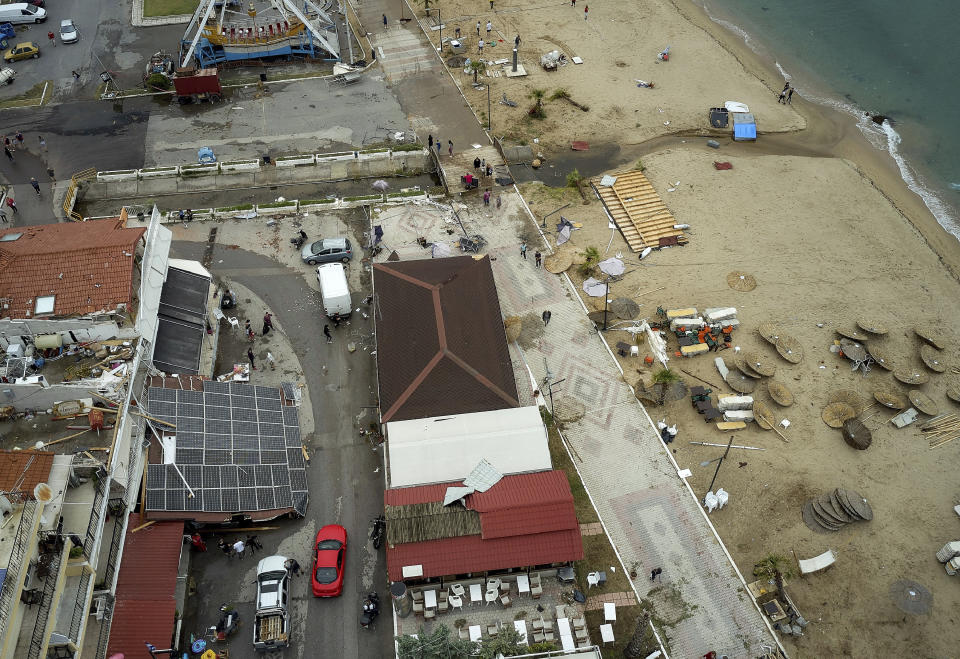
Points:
x=345, y=479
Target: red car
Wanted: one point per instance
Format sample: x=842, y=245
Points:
x=327, y=579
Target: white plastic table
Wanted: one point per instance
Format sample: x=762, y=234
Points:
x=567, y=643
x=606, y=633
x=523, y=584
x=474, y=632
x=566, y=636
x=476, y=593
x=521, y=627
x=609, y=611
x=429, y=599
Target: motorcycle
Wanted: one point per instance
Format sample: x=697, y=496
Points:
x=228, y=623
x=299, y=240
x=379, y=526
x=370, y=610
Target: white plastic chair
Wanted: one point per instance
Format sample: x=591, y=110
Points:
x=593, y=579
x=456, y=602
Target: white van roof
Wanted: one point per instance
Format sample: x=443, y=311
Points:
x=333, y=279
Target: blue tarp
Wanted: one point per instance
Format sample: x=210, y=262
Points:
x=744, y=126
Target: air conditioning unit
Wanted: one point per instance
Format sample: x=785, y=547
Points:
x=99, y=607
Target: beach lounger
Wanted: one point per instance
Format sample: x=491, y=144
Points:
x=817, y=563
x=729, y=426
x=695, y=349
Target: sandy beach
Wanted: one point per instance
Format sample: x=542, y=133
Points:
x=831, y=233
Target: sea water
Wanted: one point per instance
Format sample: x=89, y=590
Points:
x=887, y=57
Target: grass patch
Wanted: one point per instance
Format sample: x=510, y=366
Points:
x=278, y=204
x=366, y=197
x=408, y=193
x=231, y=209
x=29, y=97
x=169, y=7
x=561, y=460
x=308, y=202
x=408, y=147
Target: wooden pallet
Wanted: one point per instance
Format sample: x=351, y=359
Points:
x=638, y=211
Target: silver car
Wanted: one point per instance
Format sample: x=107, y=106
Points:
x=327, y=250
x=68, y=31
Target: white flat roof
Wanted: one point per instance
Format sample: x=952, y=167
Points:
x=447, y=448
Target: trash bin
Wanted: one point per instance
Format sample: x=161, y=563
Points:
x=263, y=77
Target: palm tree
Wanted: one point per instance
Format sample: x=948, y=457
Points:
x=477, y=66
x=642, y=642
x=774, y=567
x=664, y=378
x=537, y=110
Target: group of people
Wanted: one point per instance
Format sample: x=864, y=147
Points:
x=786, y=95
x=537, y=256
x=248, y=330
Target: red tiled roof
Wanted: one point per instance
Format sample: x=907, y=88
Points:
x=145, y=608
x=474, y=554
x=525, y=519
x=84, y=264
x=13, y=465
x=441, y=346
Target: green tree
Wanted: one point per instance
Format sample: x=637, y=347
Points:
x=663, y=379
x=776, y=568
x=642, y=643
x=477, y=66
x=506, y=643
x=438, y=644
x=591, y=256
x=537, y=110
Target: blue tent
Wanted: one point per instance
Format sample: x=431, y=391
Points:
x=744, y=127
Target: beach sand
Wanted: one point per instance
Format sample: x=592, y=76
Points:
x=831, y=233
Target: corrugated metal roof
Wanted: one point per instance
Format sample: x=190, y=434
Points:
x=440, y=339
x=145, y=606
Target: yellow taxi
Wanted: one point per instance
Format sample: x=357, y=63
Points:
x=23, y=50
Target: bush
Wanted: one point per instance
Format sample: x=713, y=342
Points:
x=592, y=257
x=574, y=179
x=158, y=81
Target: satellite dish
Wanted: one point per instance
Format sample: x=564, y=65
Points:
x=42, y=493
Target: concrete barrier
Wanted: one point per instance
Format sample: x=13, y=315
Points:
x=159, y=172
x=295, y=161
x=118, y=175
x=200, y=170
x=278, y=208
x=240, y=166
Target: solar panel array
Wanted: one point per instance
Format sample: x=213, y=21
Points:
x=238, y=448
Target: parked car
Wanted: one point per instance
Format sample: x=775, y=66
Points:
x=327, y=250
x=68, y=31
x=7, y=75
x=23, y=50
x=331, y=546
x=271, y=624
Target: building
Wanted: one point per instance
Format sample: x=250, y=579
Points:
x=441, y=346
x=454, y=530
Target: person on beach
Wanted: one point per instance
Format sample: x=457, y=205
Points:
x=476, y=164
x=480, y=47
x=450, y=147
x=12, y=204
x=786, y=86
x=783, y=97
x=456, y=32
x=250, y=357
x=489, y=27
x=523, y=250
x=35, y=184
x=8, y=153
x=537, y=258
x=789, y=95
x=430, y=141
x=478, y=28
x=326, y=333
x=573, y=3
x=486, y=197
x=586, y=10
x=384, y=21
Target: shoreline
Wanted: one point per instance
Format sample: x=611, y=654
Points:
x=829, y=133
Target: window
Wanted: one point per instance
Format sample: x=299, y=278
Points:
x=44, y=305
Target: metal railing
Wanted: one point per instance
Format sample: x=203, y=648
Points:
x=100, y=487
x=71, y=199
x=14, y=566
x=79, y=608
x=105, y=627
x=46, y=603
x=113, y=557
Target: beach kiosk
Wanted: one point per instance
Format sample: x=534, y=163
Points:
x=744, y=127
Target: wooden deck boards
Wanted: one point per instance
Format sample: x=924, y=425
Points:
x=637, y=210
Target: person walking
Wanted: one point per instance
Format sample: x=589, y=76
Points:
x=293, y=567
x=489, y=27
x=267, y=322
x=546, y=317
x=480, y=47
x=586, y=11
x=476, y=164
x=491, y=5
x=456, y=32
x=384, y=21
x=498, y=202
x=516, y=41
x=248, y=330
x=271, y=361
x=537, y=258
x=8, y=153
x=253, y=542
x=656, y=572
x=782, y=97
x=76, y=76
x=238, y=548
x=43, y=142
x=789, y=96
x=19, y=138
x=430, y=141
x=197, y=541
x=225, y=548
x=573, y=3
x=523, y=250
x=53, y=38
x=36, y=185
x=450, y=147
x=478, y=28
x=326, y=333
x=12, y=204
x=486, y=197
x=250, y=357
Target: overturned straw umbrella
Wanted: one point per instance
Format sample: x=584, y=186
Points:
x=932, y=358
x=911, y=375
x=780, y=394
x=890, y=396
x=769, y=332
x=848, y=396
x=513, y=326
x=558, y=262
x=760, y=364
x=931, y=335
x=855, y=334
x=741, y=281
x=763, y=415
x=790, y=349
x=834, y=414
x=871, y=325
x=923, y=402
x=953, y=393
x=881, y=357
x=740, y=382
x=853, y=350
x=744, y=367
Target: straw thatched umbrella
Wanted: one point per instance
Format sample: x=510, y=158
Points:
x=880, y=356
x=890, y=396
x=856, y=434
x=760, y=364
x=779, y=393
x=559, y=261
x=851, y=398
x=855, y=334
x=769, y=332
x=834, y=414
x=923, y=402
x=932, y=358
x=740, y=382
x=744, y=367
x=871, y=325
x=911, y=375
x=625, y=308
x=741, y=281
x=853, y=350
x=931, y=335
x=911, y=597
x=513, y=326
x=763, y=415
x=790, y=349
x=953, y=393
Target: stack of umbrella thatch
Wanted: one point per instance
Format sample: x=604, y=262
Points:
x=832, y=511
x=941, y=429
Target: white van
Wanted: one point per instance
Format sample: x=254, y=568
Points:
x=21, y=12
x=334, y=290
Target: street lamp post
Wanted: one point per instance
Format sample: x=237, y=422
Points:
x=489, y=116
x=719, y=462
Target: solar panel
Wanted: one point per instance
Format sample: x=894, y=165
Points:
x=281, y=474
x=218, y=442
x=267, y=393
x=265, y=498
x=230, y=499
x=295, y=458
x=217, y=412
x=245, y=414
x=284, y=497
x=273, y=457
x=300, y=500
x=270, y=417
x=272, y=444
x=156, y=476
x=217, y=427
x=176, y=499
x=211, y=399
x=156, y=500
x=263, y=476
x=189, y=410
x=211, y=478
x=246, y=458
x=246, y=443
x=292, y=436
x=229, y=476
x=189, y=424
x=245, y=477
x=213, y=457
x=289, y=390
x=271, y=429
x=188, y=396
x=160, y=394
x=298, y=479
x=242, y=389
x=248, y=498
x=159, y=407
x=193, y=473
x=194, y=503
x=244, y=428
x=290, y=416
x=189, y=456
x=272, y=404
x=211, y=500
x=189, y=440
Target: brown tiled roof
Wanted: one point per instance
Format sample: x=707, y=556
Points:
x=13, y=465
x=525, y=519
x=441, y=347
x=84, y=264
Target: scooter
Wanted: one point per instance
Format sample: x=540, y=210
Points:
x=379, y=526
x=370, y=610
x=299, y=240
x=228, y=623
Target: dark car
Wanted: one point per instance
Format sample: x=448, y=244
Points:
x=327, y=250
x=331, y=547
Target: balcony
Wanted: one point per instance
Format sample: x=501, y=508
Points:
x=46, y=595
x=18, y=548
